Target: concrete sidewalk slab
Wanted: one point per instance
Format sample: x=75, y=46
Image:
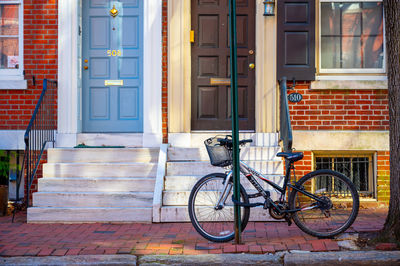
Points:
x=87, y=260
x=211, y=259
x=372, y=258
x=369, y=258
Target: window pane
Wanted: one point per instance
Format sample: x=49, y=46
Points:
x=351, y=19
x=351, y=52
x=330, y=20
x=9, y=20
x=9, y=53
x=351, y=35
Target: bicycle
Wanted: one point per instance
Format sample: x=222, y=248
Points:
x=322, y=203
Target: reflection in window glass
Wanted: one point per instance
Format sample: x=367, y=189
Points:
x=351, y=35
x=9, y=27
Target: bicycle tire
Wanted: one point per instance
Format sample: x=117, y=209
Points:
x=214, y=228
x=329, y=220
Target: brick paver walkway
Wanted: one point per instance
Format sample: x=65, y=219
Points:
x=22, y=239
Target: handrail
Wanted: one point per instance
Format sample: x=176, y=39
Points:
x=285, y=134
x=40, y=131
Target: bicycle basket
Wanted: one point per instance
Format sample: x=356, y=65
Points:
x=219, y=155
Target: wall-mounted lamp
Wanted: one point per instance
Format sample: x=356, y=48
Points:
x=269, y=7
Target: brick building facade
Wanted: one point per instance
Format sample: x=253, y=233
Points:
x=341, y=117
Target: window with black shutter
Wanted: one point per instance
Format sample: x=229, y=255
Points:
x=296, y=39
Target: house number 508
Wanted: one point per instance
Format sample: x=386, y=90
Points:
x=114, y=52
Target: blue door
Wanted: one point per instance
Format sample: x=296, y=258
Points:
x=112, y=60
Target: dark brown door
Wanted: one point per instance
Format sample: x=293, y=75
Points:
x=211, y=104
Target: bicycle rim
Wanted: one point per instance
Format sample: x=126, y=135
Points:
x=336, y=214
x=212, y=223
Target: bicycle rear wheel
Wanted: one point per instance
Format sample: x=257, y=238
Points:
x=215, y=223
x=338, y=210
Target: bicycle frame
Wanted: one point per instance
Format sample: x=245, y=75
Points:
x=249, y=173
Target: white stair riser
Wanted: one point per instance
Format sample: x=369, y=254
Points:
x=109, y=155
x=200, y=154
x=82, y=215
x=203, y=168
x=181, y=198
x=181, y=214
x=134, y=199
x=100, y=170
x=96, y=185
x=182, y=183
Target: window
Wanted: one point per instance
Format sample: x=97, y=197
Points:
x=359, y=168
x=351, y=37
x=11, y=39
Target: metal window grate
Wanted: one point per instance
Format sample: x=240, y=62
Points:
x=357, y=168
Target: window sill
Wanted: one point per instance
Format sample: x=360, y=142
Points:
x=13, y=85
x=349, y=85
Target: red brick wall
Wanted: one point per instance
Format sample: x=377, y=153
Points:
x=343, y=110
x=339, y=109
x=40, y=60
x=383, y=176
x=305, y=166
x=165, y=70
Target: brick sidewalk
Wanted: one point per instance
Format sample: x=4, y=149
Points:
x=22, y=239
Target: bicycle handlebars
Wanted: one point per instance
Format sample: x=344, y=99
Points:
x=229, y=143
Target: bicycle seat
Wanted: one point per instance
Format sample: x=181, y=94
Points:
x=291, y=156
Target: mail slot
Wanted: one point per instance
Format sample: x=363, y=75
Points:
x=113, y=83
x=220, y=81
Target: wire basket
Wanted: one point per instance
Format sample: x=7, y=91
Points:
x=219, y=155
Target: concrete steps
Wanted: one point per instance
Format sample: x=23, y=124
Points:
x=96, y=185
x=186, y=165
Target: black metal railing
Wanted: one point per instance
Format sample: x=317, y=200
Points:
x=285, y=133
x=40, y=131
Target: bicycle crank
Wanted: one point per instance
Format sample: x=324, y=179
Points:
x=274, y=213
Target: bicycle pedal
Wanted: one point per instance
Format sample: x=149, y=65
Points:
x=288, y=220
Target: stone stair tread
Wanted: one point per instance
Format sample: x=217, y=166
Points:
x=89, y=214
x=104, y=163
x=93, y=199
x=180, y=214
x=89, y=178
x=200, y=153
x=96, y=192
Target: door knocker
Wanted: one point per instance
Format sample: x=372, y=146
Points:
x=114, y=12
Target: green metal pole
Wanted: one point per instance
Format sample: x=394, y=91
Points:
x=235, y=119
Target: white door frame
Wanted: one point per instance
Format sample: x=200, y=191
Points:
x=69, y=73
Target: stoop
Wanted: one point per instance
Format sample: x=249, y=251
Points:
x=186, y=164
x=96, y=185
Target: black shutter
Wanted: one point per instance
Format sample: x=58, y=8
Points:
x=296, y=39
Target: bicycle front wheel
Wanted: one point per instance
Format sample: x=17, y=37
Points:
x=214, y=221
x=336, y=210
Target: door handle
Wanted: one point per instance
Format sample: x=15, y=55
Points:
x=252, y=66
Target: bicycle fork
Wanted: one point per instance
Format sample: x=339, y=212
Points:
x=225, y=192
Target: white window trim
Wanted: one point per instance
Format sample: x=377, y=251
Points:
x=13, y=78
x=352, y=77
x=349, y=70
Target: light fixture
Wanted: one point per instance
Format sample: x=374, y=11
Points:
x=269, y=8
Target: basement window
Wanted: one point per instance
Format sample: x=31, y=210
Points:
x=359, y=168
